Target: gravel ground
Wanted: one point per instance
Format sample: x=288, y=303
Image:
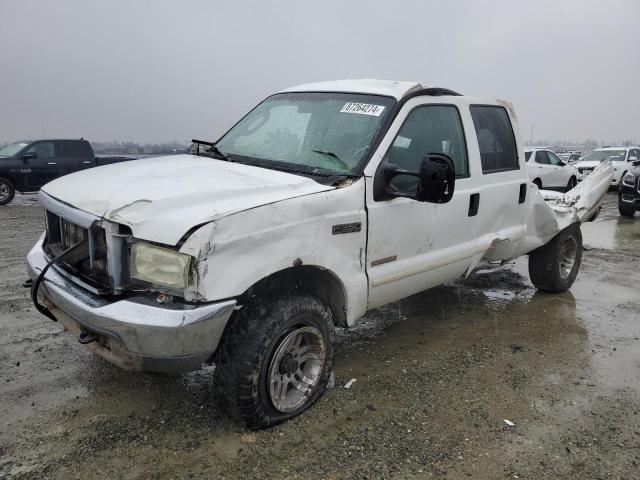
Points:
x=438, y=375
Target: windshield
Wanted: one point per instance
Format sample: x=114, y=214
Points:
x=601, y=155
x=12, y=149
x=325, y=131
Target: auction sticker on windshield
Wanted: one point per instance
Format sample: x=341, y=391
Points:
x=362, y=109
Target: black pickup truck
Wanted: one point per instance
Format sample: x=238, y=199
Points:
x=27, y=166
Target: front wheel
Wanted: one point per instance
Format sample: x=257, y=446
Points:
x=7, y=191
x=572, y=183
x=554, y=266
x=275, y=359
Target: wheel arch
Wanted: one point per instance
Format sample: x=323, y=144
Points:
x=312, y=279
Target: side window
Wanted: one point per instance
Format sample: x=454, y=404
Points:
x=541, y=157
x=71, y=150
x=428, y=129
x=554, y=159
x=498, y=152
x=44, y=150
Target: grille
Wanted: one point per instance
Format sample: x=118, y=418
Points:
x=585, y=170
x=89, y=263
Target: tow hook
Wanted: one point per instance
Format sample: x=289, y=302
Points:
x=86, y=337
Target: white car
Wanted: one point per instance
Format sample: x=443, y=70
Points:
x=570, y=157
x=548, y=171
x=324, y=201
x=621, y=158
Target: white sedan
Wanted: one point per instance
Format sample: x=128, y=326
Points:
x=548, y=171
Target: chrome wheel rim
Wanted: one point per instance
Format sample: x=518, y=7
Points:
x=296, y=368
x=568, y=257
x=4, y=191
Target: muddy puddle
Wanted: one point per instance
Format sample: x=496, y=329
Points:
x=612, y=233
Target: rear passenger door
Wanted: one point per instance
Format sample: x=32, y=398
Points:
x=504, y=183
x=70, y=157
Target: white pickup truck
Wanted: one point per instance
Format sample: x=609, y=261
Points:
x=324, y=201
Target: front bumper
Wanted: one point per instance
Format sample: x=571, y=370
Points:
x=628, y=196
x=135, y=333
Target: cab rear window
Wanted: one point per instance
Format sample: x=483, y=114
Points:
x=498, y=152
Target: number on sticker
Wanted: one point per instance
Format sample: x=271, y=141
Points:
x=362, y=109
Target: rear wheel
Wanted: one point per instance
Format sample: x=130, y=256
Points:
x=538, y=182
x=572, y=183
x=626, y=211
x=554, y=266
x=7, y=191
x=275, y=358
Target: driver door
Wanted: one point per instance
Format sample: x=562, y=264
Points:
x=560, y=175
x=413, y=245
x=42, y=167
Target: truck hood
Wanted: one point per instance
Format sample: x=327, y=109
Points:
x=162, y=198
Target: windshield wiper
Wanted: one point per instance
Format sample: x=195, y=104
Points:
x=329, y=154
x=213, y=150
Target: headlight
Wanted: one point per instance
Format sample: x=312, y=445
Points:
x=159, y=265
x=629, y=179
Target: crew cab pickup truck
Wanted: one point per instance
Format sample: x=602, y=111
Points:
x=27, y=166
x=324, y=201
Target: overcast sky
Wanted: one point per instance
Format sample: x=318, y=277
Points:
x=163, y=70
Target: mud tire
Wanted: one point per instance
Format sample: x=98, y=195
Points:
x=248, y=345
x=548, y=264
x=626, y=212
x=6, y=184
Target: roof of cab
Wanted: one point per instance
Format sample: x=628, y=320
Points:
x=390, y=88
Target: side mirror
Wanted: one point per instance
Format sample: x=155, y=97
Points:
x=636, y=163
x=27, y=156
x=436, y=179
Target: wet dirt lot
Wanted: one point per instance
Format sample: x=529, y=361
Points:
x=437, y=375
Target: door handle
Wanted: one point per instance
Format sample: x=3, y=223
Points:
x=51, y=163
x=86, y=161
x=474, y=204
x=523, y=193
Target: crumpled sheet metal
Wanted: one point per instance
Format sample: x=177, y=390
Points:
x=550, y=213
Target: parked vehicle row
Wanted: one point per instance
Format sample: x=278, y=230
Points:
x=27, y=166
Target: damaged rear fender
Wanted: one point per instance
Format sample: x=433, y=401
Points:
x=549, y=212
